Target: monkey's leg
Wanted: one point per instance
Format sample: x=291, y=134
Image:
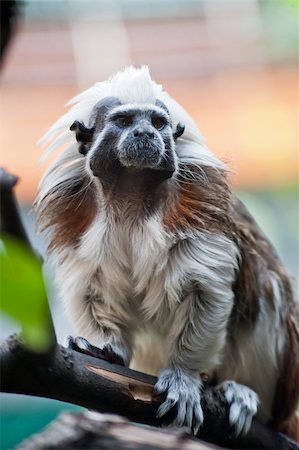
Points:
x=82, y=345
x=243, y=403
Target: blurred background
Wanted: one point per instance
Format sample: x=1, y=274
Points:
x=230, y=63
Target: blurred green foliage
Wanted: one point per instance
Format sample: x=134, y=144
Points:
x=22, y=294
x=294, y=3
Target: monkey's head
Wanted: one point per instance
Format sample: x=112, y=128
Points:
x=131, y=137
x=128, y=133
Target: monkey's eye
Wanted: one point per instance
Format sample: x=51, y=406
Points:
x=123, y=121
x=158, y=123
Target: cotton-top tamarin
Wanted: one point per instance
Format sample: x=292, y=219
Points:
x=147, y=236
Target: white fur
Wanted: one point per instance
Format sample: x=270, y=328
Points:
x=145, y=107
x=137, y=276
x=140, y=272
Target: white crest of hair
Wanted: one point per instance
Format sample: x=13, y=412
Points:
x=67, y=168
x=132, y=86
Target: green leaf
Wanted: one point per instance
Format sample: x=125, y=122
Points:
x=22, y=293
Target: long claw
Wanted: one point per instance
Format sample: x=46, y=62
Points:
x=197, y=419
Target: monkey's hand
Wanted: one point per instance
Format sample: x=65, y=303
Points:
x=182, y=390
x=243, y=403
x=107, y=352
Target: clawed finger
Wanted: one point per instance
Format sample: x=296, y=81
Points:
x=197, y=418
x=169, y=403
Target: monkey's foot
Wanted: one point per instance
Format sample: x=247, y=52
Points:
x=80, y=344
x=243, y=403
x=183, y=394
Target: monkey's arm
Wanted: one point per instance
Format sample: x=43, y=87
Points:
x=196, y=339
x=199, y=330
x=105, y=334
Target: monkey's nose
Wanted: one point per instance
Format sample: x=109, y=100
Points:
x=143, y=132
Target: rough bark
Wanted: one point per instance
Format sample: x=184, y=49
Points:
x=73, y=377
x=107, y=432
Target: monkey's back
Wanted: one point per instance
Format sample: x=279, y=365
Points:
x=263, y=335
x=259, y=263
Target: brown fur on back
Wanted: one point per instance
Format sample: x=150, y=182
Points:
x=258, y=261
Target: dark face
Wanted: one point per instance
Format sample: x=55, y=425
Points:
x=134, y=138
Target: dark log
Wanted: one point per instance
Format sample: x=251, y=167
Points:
x=107, y=432
x=99, y=385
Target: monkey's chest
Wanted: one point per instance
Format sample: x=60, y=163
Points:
x=133, y=272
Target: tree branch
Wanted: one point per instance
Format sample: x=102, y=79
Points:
x=96, y=384
x=90, y=430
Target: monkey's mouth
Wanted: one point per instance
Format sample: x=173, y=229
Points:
x=141, y=155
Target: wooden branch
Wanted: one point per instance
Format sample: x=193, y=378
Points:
x=101, y=386
x=91, y=431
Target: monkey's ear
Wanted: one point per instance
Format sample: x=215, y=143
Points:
x=84, y=135
x=180, y=128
